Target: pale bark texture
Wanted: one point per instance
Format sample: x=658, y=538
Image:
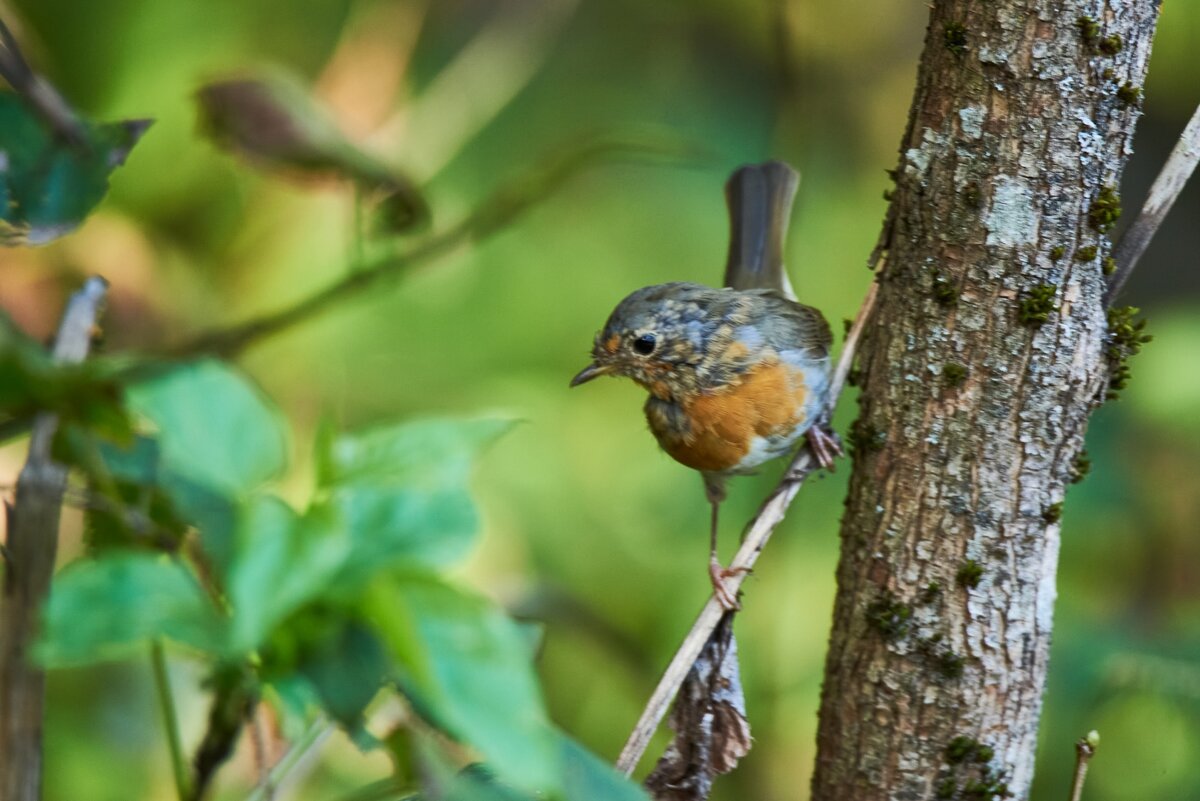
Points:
x=980, y=369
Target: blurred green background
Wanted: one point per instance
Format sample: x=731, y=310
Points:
x=588, y=526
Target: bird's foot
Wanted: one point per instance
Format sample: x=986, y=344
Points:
x=825, y=446
x=725, y=595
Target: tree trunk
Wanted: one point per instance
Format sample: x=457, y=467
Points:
x=986, y=356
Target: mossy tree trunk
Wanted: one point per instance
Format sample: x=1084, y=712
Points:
x=985, y=358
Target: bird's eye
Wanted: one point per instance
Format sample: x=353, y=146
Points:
x=645, y=344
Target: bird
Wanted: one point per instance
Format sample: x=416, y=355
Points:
x=737, y=374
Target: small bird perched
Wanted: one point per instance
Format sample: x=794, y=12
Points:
x=736, y=375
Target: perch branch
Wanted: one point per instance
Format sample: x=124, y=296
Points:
x=387, y=262
x=1170, y=182
x=758, y=533
x=32, y=543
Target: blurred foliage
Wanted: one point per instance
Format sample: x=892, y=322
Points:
x=586, y=528
x=48, y=185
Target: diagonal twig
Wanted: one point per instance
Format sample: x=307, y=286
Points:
x=1170, y=182
x=29, y=563
x=769, y=515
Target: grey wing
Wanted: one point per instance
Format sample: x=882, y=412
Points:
x=792, y=326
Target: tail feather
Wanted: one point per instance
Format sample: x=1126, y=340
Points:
x=760, y=203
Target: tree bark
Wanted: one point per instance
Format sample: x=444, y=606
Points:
x=982, y=365
x=29, y=562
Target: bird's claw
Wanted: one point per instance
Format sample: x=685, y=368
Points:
x=825, y=446
x=726, y=597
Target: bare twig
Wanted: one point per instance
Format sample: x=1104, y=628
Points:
x=1170, y=182
x=390, y=261
x=1085, y=749
x=769, y=515
x=32, y=543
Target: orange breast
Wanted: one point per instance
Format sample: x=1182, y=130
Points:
x=767, y=402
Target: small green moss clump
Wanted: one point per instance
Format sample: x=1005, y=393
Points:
x=1105, y=209
x=1109, y=265
x=944, y=292
x=949, y=664
x=954, y=374
x=888, y=616
x=969, y=574
x=971, y=196
x=954, y=35
x=1052, y=513
x=1126, y=335
x=1057, y=252
x=967, y=756
x=1129, y=94
x=931, y=592
x=961, y=749
x=1086, y=253
x=1108, y=74
x=1110, y=45
x=888, y=195
x=1081, y=465
x=1038, y=306
x=864, y=438
x=1089, y=30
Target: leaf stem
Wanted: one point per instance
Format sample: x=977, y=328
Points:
x=162, y=682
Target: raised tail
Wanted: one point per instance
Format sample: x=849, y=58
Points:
x=760, y=203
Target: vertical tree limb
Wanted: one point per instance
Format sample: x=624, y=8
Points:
x=978, y=379
x=32, y=543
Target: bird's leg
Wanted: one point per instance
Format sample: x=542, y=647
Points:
x=824, y=445
x=717, y=573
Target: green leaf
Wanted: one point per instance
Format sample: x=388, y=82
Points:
x=283, y=562
x=214, y=427
x=105, y=608
x=585, y=775
x=347, y=669
x=465, y=664
x=391, y=527
x=47, y=185
x=430, y=452
x=400, y=492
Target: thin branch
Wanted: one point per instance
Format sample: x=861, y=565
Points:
x=392, y=260
x=1085, y=749
x=769, y=515
x=32, y=543
x=162, y=683
x=1170, y=182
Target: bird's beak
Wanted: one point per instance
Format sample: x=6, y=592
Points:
x=593, y=370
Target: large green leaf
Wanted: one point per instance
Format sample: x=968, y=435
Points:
x=465, y=664
x=104, y=608
x=420, y=453
x=214, y=427
x=585, y=775
x=283, y=562
x=48, y=185
x=397, y=526
x=400, y=492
